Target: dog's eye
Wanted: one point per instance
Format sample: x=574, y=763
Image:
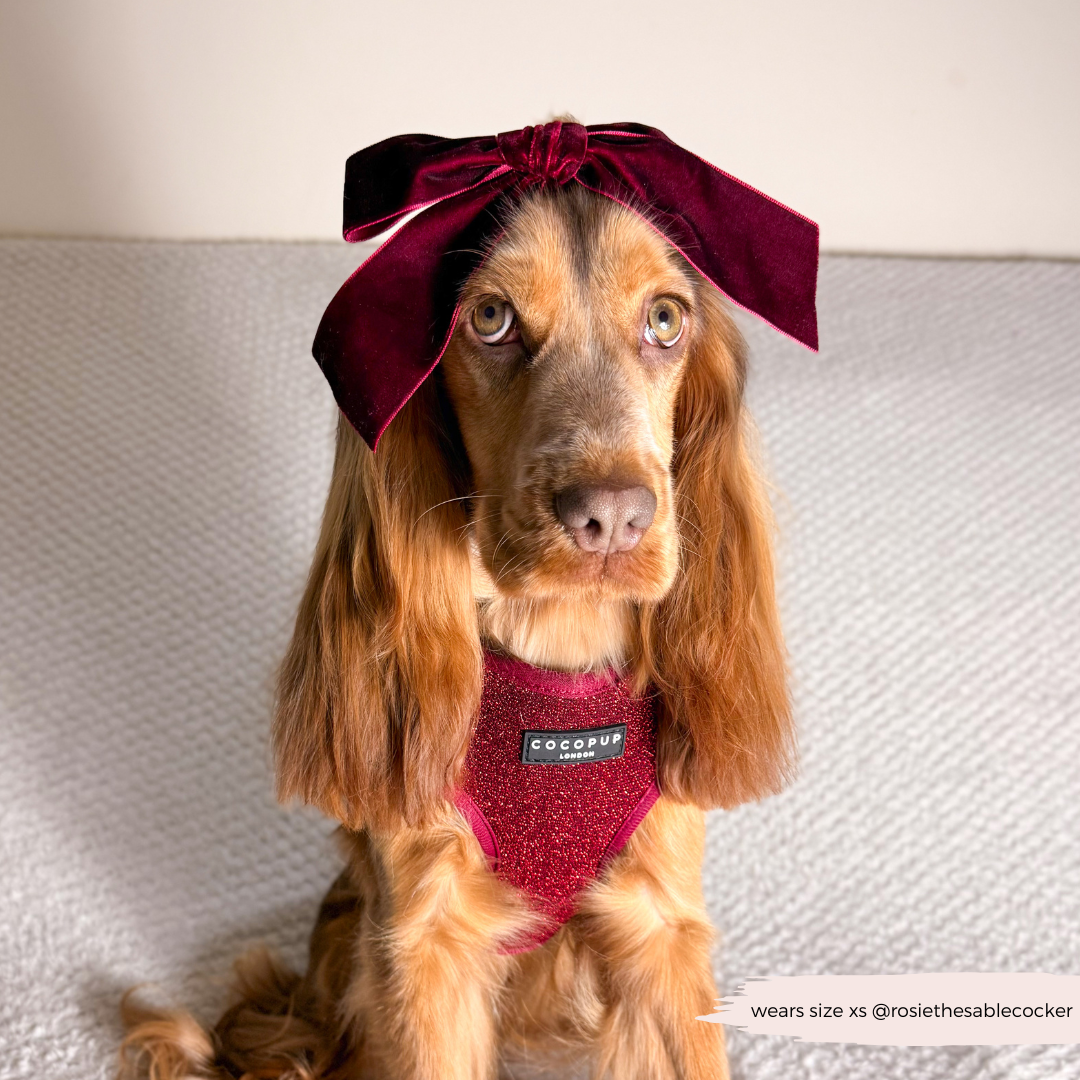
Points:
x=492, y=320
x=665, y=324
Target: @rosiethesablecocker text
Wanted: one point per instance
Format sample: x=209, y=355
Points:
x=943, y=1008
x=920, y=1011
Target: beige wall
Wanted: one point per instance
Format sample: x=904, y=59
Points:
x=941, y=126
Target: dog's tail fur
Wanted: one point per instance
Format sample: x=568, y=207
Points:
x=276, y=1028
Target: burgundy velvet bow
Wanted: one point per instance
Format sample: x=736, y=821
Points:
x=388, y=325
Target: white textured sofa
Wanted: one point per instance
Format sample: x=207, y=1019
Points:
x=165, y=444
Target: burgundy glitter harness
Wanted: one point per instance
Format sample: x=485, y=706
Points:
x=560, y=772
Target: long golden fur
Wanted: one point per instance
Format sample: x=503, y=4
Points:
x=445, y=541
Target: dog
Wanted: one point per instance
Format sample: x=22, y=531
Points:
x=575, y=490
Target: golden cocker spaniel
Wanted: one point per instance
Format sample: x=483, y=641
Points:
x=574, y=489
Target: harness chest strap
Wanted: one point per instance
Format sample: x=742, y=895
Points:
x=560, y=772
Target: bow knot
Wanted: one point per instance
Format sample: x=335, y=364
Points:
x=552, y=151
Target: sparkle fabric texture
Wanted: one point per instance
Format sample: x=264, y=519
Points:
x=549, y=829
x=388, y=325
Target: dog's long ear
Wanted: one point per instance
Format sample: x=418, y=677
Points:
x=713, y=645
x=380, y=685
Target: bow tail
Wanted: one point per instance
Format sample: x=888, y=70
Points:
x=389, y=324
x=758, y=252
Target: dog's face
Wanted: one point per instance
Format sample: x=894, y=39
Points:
x=564, y=372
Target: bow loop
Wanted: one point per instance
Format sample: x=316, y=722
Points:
x=552, y=151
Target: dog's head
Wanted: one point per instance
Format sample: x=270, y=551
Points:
x=563, y=375
x=572, y=484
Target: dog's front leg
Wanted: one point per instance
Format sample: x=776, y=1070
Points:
x=428, y=972
x=646, y=917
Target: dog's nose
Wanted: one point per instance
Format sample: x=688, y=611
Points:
x=606, y=518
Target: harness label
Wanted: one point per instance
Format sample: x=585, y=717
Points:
x=573, y=747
